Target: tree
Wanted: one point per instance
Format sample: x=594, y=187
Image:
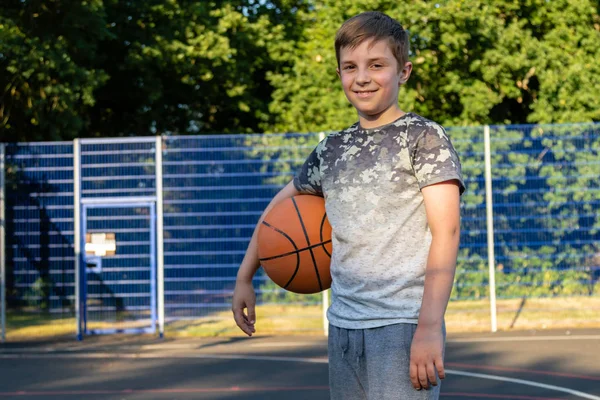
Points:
x=475, y=62
x=47, y=78
x=120, y=68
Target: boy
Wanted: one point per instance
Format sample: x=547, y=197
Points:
x=391, y=184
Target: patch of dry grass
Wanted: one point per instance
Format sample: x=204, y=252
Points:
x=35, y=326
x=524, y=314
x=462, y=316
x=271, y=319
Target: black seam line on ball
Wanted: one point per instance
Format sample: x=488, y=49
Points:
x=283, y=233
x=295, y=247
x=297, y=251
x=312, y=255
x=321, y=235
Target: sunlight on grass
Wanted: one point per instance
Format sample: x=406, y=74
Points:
x=35, y=326
x=550, y=313
x=271, y=319
x=462, y=316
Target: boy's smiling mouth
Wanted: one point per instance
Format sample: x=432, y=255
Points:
x=364, y=93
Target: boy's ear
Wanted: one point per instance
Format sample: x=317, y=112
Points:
x=405, y=73
x=338, y=72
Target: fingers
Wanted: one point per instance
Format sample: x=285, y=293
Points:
x=244, y=298
x=251, y=314
x=439, y=364
x=249, y=321
x=430, y=368
x=238, y=316
x=243, y=322
x=426, y=355
x=414, y=377
x=422, y=375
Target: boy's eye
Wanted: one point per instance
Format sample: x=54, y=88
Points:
x=348, y=67
x=377, y=65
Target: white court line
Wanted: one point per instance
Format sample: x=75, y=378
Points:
x=524, y=382
x=523, y=339
x=288, y=359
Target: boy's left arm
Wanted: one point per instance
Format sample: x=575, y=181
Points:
x=442, y=205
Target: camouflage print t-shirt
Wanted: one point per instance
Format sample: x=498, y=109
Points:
x=371, y=181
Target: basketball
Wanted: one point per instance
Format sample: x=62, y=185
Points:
x=294, y=244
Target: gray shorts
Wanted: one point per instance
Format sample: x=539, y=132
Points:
x=374, y=364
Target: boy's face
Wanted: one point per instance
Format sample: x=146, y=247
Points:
x=371, y=79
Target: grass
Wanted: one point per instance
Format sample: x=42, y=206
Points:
x=462, y=316
x=38, y=326
x=524, y=314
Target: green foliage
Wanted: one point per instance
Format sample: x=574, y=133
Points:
x=475, y=62
x=46, y=80
x=545, y=226
x=37, y=295
x=271, y=293
x=114, y=68
x=283, y=154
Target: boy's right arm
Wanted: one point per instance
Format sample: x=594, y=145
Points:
x=244, y=296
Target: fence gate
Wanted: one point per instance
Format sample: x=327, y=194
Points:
x=118, y=220
x=119, y=268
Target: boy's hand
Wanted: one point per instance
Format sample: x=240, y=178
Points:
x=426, y=357
x=244, y=297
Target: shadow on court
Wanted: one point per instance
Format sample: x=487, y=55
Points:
x=517, y=365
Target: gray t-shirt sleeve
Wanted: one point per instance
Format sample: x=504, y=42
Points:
x=308, y=178
x=434, y=159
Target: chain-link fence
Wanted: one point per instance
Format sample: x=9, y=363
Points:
x=147, y=233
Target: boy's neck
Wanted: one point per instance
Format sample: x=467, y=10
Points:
x=387, y=117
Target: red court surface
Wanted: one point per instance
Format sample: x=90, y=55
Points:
x=518, y=365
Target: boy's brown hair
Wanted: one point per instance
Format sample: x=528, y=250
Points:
x=377, y=26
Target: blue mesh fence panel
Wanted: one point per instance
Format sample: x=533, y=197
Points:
x=215, y=189
x=545, y=195
x=118, y=168
x=472, y=278
x=39, y=228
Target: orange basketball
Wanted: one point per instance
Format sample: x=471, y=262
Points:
x=294, y=244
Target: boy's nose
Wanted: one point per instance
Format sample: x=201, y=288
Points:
x=362, y=76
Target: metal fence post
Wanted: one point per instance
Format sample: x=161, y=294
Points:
x=2, y=249
x=77, y=233
x=160, y=262
x=490, y=227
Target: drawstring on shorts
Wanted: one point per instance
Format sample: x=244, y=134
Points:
x=358, y=342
